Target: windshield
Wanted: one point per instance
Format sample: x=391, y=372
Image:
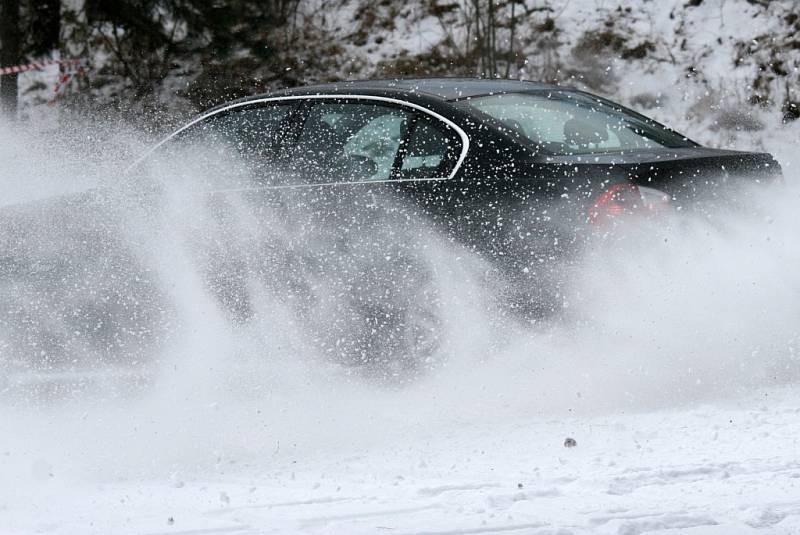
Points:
x=565, y=122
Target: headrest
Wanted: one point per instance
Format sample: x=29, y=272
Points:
x=580, y=132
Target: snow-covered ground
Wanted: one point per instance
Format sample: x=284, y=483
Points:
x=713, y=468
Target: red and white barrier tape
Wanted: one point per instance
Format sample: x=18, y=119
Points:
x=39, y=65
x=63, y=80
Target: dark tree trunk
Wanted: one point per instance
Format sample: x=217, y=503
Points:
x=45, y=27
x=9, y=54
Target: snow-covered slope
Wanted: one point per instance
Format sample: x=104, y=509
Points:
x=717, y=468
x=723, y=71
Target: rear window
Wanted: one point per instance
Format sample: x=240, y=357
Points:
x=564, y=123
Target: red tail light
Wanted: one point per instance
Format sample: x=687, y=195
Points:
x=625, y=198
x=616, y=200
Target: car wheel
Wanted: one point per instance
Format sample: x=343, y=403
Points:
x=385, y=322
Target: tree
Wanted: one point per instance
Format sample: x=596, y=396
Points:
x=44, y=27
x=221, y=49
x=488, y=42
x=10, y=41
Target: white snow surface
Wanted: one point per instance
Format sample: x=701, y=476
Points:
x=726, y=467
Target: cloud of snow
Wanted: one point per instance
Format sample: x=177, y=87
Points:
x=234, y=373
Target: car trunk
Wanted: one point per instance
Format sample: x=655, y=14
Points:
x=691, y=174
x=694, y=178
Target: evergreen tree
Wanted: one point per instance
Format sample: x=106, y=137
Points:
x=221, y=49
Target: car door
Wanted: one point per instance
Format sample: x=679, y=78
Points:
x=365, y=168
x=337, y=172
x=426, y=169
x=225, y=166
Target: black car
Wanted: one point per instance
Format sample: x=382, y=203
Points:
x=356, y=174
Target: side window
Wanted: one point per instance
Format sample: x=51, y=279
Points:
x=348, y=142
x=431, y=151
x=236, y=148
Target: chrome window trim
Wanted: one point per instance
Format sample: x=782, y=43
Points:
x=445, y=120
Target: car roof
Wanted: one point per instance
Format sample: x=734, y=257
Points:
x=425, y=91
x=443, y=88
